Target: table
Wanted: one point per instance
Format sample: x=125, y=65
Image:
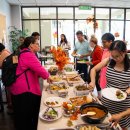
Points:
x=62, y=122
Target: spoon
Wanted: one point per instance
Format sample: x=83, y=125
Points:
x=90, y=113
x=77, y=76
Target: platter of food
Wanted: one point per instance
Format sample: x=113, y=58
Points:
x=58, y=86
x=81, y=61
x=69, y=109
x=50, y=114
x=88, y=127
x=56, y=78
x=80, y=100
x=68, y=69
x=62, y=129
x=114, y=94
x=81, y=89
x=61, y=89
x=74, y=79
x=53, y=101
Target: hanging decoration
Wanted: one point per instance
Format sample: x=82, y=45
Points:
x=93, y=21
x=117, y=34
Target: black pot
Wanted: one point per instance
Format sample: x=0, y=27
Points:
x=90, y=119
x=54, y=72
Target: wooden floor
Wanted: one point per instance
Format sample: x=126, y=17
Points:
x=6, y=120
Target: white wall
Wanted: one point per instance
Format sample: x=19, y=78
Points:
x=16, y=16
x=5, y=9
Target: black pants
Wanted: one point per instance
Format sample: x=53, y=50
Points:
x=83, y=68
x=26, y=109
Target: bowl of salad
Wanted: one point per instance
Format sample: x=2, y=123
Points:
x=50, y=114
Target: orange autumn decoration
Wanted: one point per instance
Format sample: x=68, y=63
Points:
x=117, y=34
x=92, y=20
x=60, y=57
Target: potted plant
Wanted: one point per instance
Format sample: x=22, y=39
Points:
x=14, y=35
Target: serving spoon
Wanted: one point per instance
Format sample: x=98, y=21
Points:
x=90, y=113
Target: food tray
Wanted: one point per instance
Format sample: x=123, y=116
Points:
x=101, y=126
x=82, y=91
x=78, y=79
x=62, y=129
x=80, y=100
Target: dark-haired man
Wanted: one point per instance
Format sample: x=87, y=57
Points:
x=36, y=35
x=82, y=49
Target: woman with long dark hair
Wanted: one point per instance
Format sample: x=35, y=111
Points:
x=118, y=76
x=64, y=43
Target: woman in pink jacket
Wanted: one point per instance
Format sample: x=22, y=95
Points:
x=26, y=90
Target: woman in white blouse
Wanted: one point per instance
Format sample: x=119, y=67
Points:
x=64, y=43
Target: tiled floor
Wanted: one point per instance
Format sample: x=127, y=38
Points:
x=6, y=120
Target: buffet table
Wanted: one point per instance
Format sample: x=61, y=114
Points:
x=62, y=122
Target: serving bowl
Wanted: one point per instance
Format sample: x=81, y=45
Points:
x=53, y=70
x=57, y=88
x=81, y=89
x=100, y=110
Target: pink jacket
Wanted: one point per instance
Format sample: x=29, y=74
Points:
x=28, y=60
x=103, y=80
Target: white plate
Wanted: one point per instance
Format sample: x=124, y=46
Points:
x=57, y=100
x=81, y=62
x=72, y=72
x=110, y=93
x=59, y=111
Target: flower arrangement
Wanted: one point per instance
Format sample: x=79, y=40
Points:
x=60, y=57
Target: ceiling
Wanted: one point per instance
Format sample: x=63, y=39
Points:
x=97, y=3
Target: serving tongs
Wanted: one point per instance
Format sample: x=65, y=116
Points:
x=77, y=76
x=48, y=110
x=114, y=126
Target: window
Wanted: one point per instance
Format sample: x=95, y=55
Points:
x=117, y=13
x=128, y=14
x=63, y=26
x=103, y=27
x=48, y=13
x=65, y=13
x=30, y=13
x=48, y=33
x=102, y=13
x=56, y=20
x=83, y=14
x=117, y=27
x=127, y=34
x=31, y=25
x=82, y=25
